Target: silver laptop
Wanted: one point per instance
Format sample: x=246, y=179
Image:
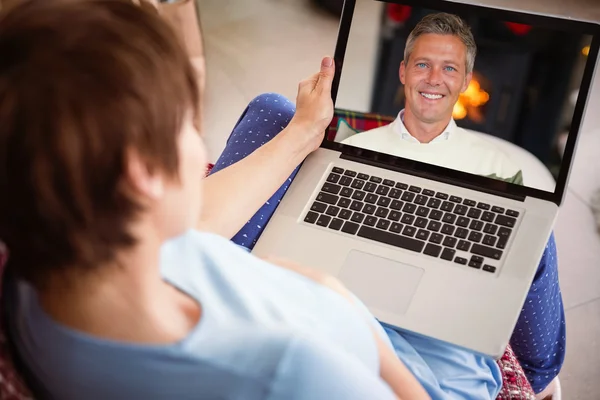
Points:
x=439, y=251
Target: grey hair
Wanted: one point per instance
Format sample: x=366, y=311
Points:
x=444, y=24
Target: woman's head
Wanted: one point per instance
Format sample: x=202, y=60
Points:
x=99, y=107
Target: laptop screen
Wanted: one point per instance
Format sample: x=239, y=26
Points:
x=494, y=94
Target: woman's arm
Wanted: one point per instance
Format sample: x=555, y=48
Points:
x=233, y=195
x=391, y=369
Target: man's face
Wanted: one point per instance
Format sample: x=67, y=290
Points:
x=434, y=77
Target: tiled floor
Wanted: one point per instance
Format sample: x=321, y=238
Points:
x=255, y=46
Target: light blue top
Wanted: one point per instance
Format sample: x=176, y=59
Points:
x=265, y=333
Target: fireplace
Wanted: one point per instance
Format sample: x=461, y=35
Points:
x=522, y=80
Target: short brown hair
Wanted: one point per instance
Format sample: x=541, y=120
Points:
x=81, y=82
x=444, y=24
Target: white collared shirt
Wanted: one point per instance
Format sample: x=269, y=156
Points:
x=401, y=129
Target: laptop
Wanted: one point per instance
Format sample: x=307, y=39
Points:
x=435, y=249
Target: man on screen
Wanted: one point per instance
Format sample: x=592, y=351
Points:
x=438, y=66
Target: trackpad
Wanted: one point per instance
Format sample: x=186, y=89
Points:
x=380, y=283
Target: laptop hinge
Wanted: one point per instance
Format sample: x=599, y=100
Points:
x=434, y=177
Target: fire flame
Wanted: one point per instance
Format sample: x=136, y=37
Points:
x=469, y=101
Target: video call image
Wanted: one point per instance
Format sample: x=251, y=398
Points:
x=488, y=97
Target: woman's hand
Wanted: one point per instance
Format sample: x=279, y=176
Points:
x=314, y=106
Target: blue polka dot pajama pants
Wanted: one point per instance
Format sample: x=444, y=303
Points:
x=539, y=336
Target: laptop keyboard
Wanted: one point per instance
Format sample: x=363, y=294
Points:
x=437, y=224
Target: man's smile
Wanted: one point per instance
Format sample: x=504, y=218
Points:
x=431, y=95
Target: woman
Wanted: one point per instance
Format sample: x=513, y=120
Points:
x=123, y=292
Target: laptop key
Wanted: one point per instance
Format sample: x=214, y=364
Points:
x=382, y=190
x=409, y=231
x=401, y=186
x=512, y=213
x=311, y=217
x=371, y=198
x=436, y=238
x=489, y=268
x=396, y=227
x=475, y=264
x=432, y=250
x=475, y=237
x=350, y=173
x=357, y=217
x=488, y=216
x=422, y=234
x=448, y=254
x=422, y=211
x=336, y=224
x=463, y=221
x=408, y=219
x=441, y=195
x=345, y=181
x=448, y=229
x=461, y=233
x=396, y=205
x=447, y=206
x=408, y=196
x=334, y=178
x=455, y=199
x=461, y=210
x=461, y=261
x=450, y=241
x=409, y=208
x=356, y=205
x=395, y=193
x=383, y=224
x=350, y=227
x=449, y=218
x=483, y=206
x=375, y=179
x=384, y=201
x=331, y=188
x=359, y=195
x=318, y=207
x=469, y=203
x=344, y=203
x=463, y=245
x=369, y=209
x=506, y=221
x=395, y=216
x=327, y=198
x=323, y=220
x=421, y=200
x=345, y=214
x=391, y=239
x=436, y=215
x=364, y=177
x=474, y=213
x=476, y=225
x=382, y=212
x=358, y=184
x=370, y=187
x=434, y=203
x=338, y=170
x=498, y=210
x=370, y=220
x=434, y=226
x=428, y=192
x=489, y=240
x=389, y=182
x=490, y=228
x=486, y=251
x=414, y=189
x=333, y=211
x=346, y=192
x=421, y=222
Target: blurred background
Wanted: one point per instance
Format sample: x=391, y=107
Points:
x=257, y=46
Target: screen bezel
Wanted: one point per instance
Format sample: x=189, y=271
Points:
x=478, y=182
